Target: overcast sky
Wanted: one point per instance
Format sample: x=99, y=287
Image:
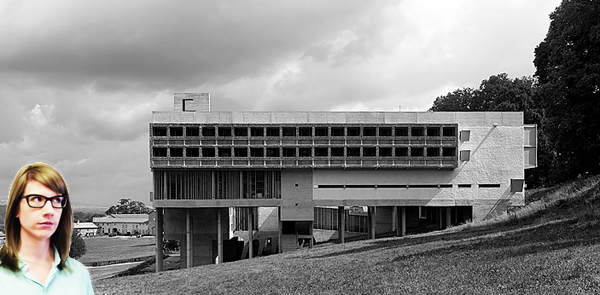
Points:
x=79, y=79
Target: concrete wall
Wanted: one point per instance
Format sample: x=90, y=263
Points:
x=297, y=195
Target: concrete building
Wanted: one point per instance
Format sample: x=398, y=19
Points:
x=413, y=171
x=123, y=224
x=86, y=229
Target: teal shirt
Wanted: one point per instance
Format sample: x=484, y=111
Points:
x=75, y=280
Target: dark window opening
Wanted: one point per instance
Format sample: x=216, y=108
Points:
x=159, y=152
x=304, y=152
x=449, y=152
x=224, y=131
x=369, y=151
x=192, y=152
x=385, y=131
x=224, y=152
x=188, y=105
x=449, y=131
x=417, y=131
x=320, y=131
x=353, y=131
x=305, y=131
x=417, y=152
x=489, y=185
x=176, y=131
x=289, y=131
x=240, y=131
x=337, y=151
x=176, y=152
x=433, y=131
x=208, y=131
x=369, y=131
x=240, y=152
x=385, y=151
x=208, y=152
x=256, y=152
x=433, y=152
x=273, y=131
x=257, y=131
x=353, y=151
x=272, y=152
x=464, y=185
x=401, y=152
x=337, y=131
x=192, y=131
x=321, y=152
x=401, y=131
x=289, y=152
x=159, y=131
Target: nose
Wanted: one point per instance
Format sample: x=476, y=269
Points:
x=48, y=209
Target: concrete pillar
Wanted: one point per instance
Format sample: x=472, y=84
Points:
x=219, y=237
x=441, y=215
x=159, y=239
x=250, y=232
x=403, y=221
x=448, y=217
x=372, y=222
x=342, y=224
x=188, y=238
x=280, y=250
x=395, y=219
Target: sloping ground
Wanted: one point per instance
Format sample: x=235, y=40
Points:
x=549, y=247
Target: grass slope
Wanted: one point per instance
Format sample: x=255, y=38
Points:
x=548, y=247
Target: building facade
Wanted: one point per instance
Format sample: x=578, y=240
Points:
x=123, y=224
x=412, y=171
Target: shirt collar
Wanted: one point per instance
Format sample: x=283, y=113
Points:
x=24, y=266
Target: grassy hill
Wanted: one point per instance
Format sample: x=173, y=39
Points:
x=549, y=247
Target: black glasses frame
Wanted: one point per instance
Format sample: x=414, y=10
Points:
x=63, y=203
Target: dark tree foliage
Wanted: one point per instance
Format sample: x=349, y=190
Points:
x=128, y=206
x=500, y=93
x=77, y=245
x=568, y=70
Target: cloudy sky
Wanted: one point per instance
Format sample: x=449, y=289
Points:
x=79, y=79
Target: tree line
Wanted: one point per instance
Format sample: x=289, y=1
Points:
x=562, y=97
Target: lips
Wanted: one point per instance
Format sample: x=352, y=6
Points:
x=46, y=223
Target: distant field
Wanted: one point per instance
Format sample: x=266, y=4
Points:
x=116, y=248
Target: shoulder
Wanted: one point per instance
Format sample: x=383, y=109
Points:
x=75, y=265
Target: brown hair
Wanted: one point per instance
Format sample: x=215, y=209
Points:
x=61, y=239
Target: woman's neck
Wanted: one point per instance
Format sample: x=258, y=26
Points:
x=35, y=250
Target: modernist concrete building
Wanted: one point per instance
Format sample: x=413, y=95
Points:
x=414, y=171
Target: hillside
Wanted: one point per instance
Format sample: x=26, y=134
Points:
x=550, y=246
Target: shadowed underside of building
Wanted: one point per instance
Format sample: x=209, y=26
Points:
x=214, y=173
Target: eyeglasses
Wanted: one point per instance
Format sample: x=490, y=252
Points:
x=39, y=201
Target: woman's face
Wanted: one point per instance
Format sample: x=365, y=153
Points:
x=38, y=223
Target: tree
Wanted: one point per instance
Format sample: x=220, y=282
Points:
x=77, y=245
x=128, y=206
x=568, y=70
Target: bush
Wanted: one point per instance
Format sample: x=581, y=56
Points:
x=77, y=245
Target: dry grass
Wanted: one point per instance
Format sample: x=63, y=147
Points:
x=548, y=247
x=100, y=249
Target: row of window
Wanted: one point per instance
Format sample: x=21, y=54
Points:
x=440, y=185
x=292, y=152
x=308, y=131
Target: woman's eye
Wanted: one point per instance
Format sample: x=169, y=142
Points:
x=36, y=199
x=57, y=200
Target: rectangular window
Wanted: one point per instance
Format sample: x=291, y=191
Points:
x=416, y=152
x=289, y=152
x=289, y=131
x=224, y=152
x=489, y=185
x=401, y=152
x=159, y=152
x=337, y=151
x=273, y=131
x=192, y=131
x=353, y=151
x=433, y=131
x=257, y=131
x=208, y=131
x=176, y=131
x=273, y=152
x=321, y=131
x=305, y=131
x=240, y=152
x=417, y=131
x=385, y=131
x=159, y=131
x=192, y=152
x=304, y=152
x=320, y=152
x=188, y=105
x=337, y=131
x=369, y=131
x=225, y=131
x=240, y=131
x=449, y=131
x=401, y=131
x=369, y=151
x=385, y=151
x=176, y=152
x=353, y=131
x=208, y=152
x=449, y=152
x=256, y=152
x=433, y=151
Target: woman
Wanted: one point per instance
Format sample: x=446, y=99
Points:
x=38, y=224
